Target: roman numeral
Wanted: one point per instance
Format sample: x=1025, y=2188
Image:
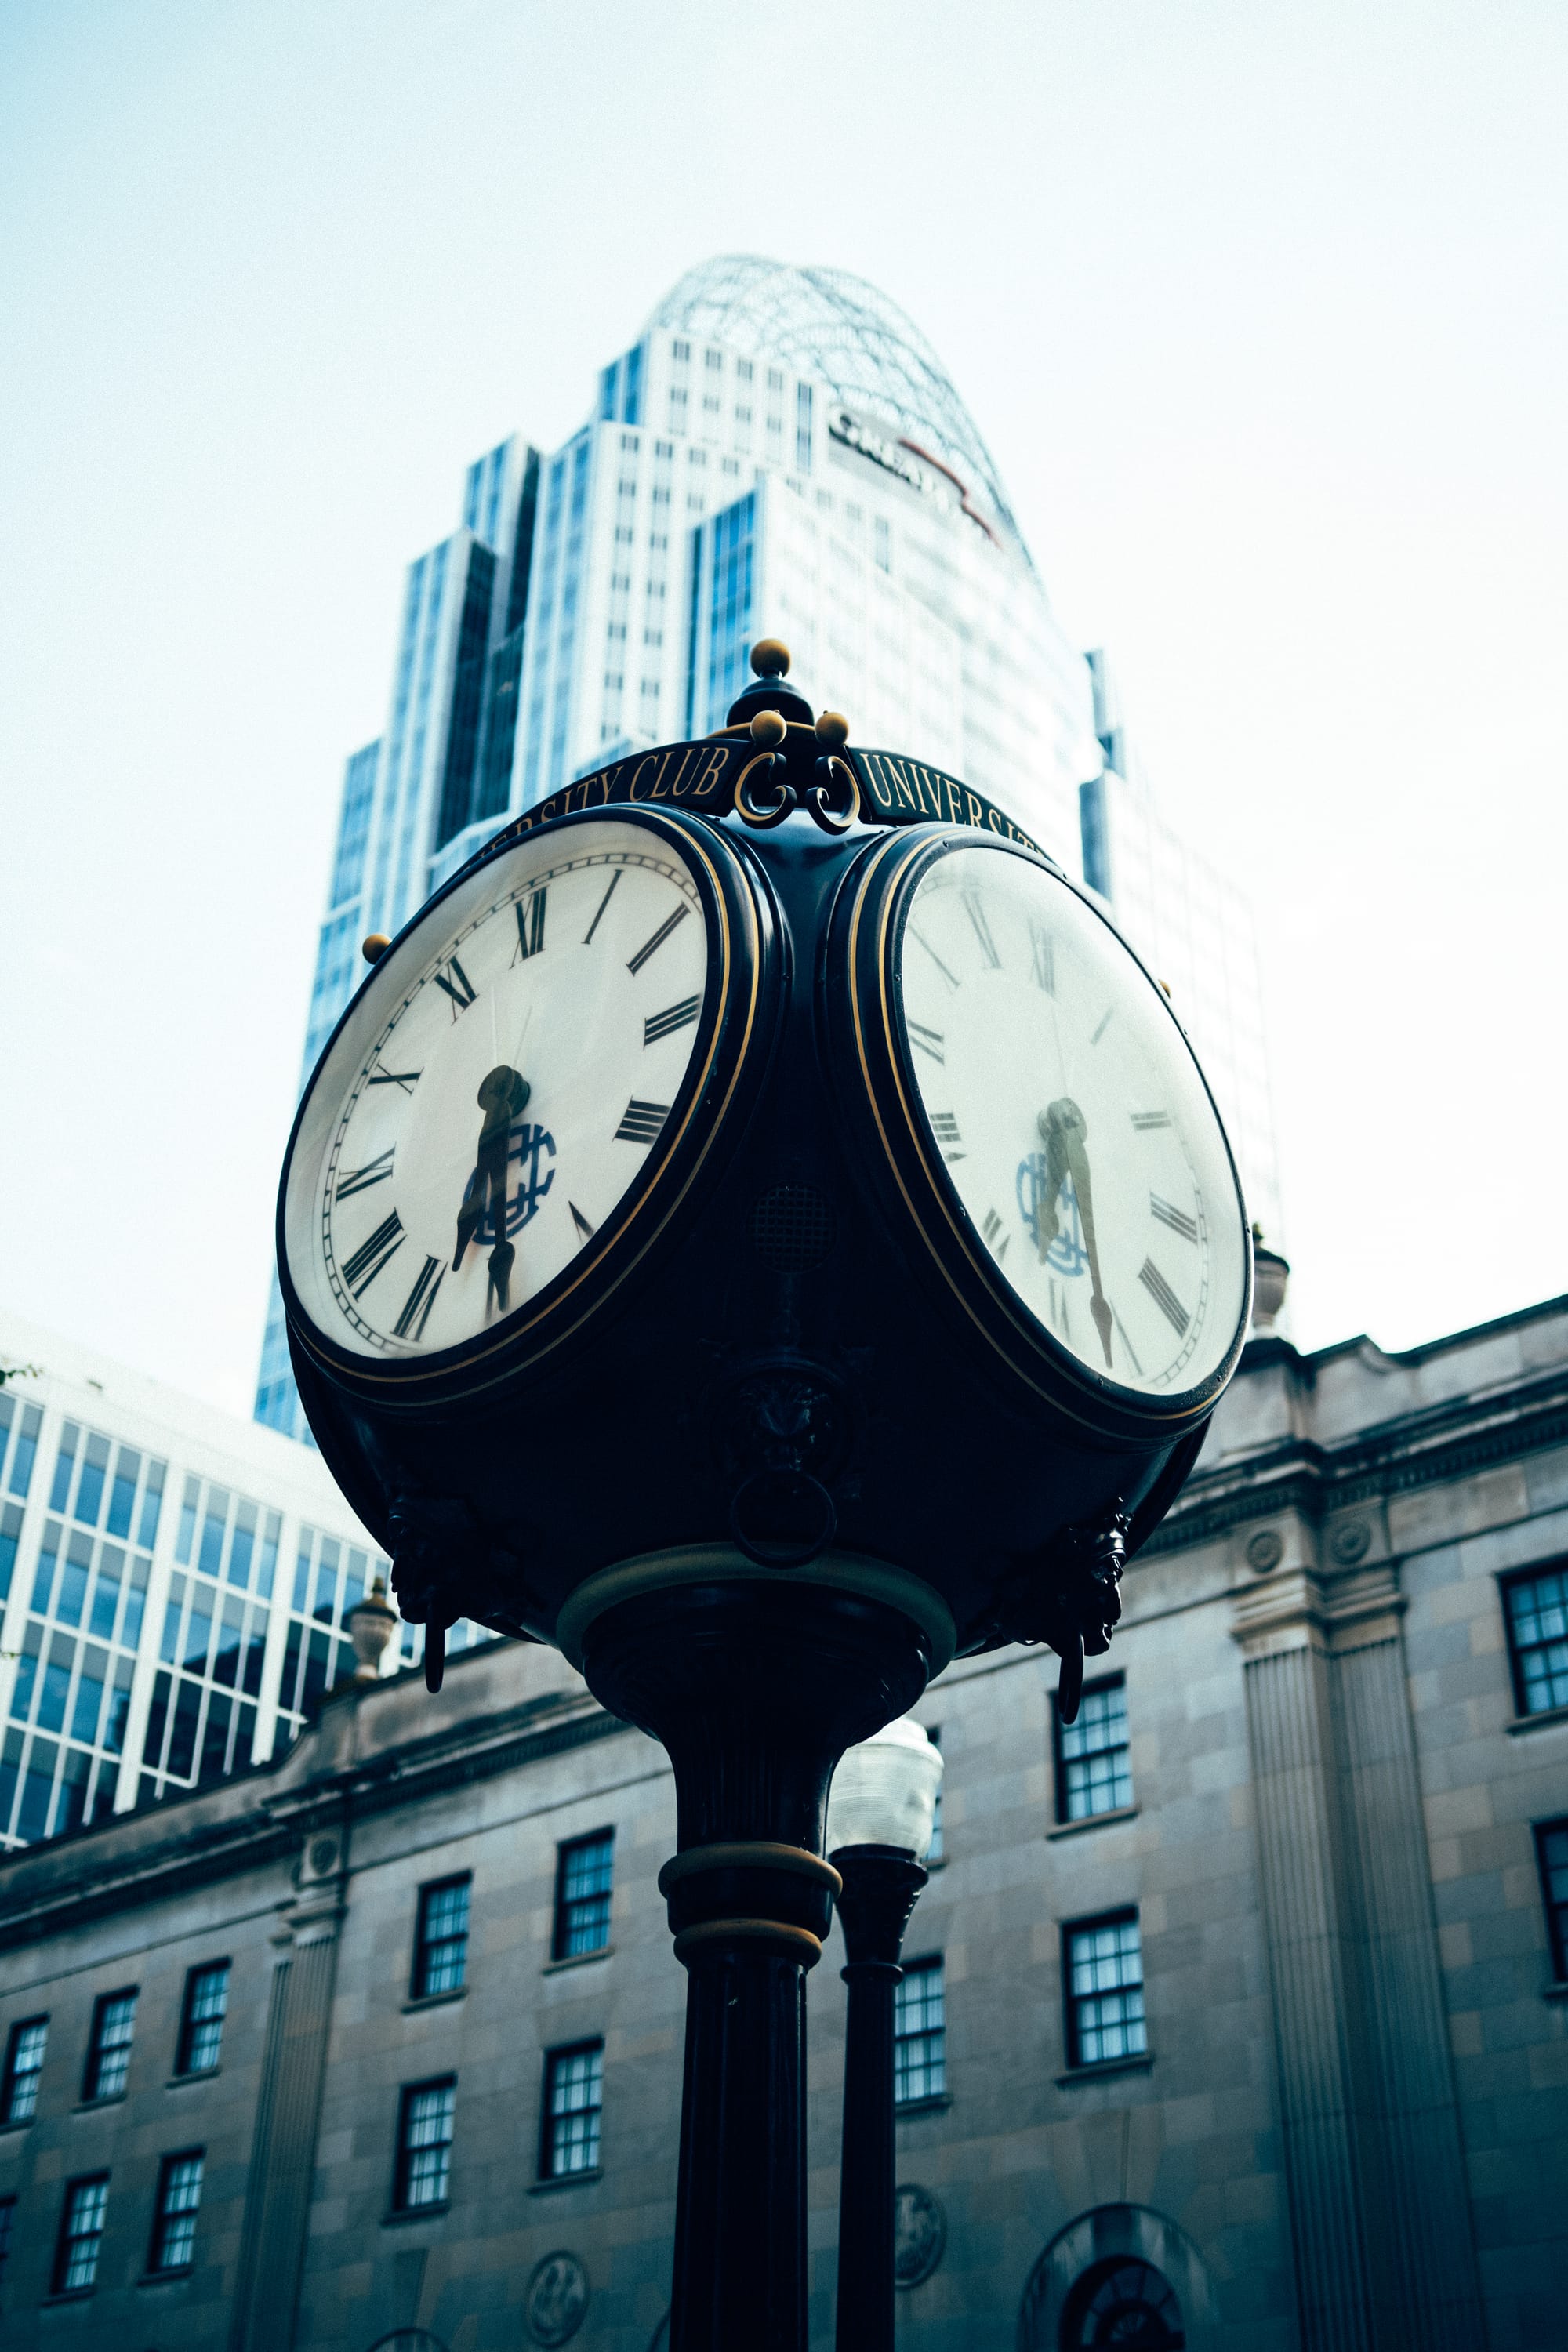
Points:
x=458, y=986
x=920, y=939
x=1145, y=1121
x=530, y=926
x=651, y=947
x=945, y=1127
x=361, y=1270
x=580, y=1222
x=1163, y=1297
x=406, y=1080
x=642, y=1120
x=991, y=1228
x=410, y=1324
x=359, y=1180
x=1177, y=1219
x=1045, y=962
x=675, y=1016
x=588, y=934
x=982, y=929
x=930, y=1041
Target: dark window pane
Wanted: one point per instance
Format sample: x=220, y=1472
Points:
x=109, y=2056
x=89, y=1698
x=25, y=1452
x=225, y=1659
x=44, y=1574
x=65, y=1463
x=425, y=2145
x=243, y=1543
x=213, y=1531
x=1093, y=1770
x=919, y=2034
x=183, y=1737
x=24, y=2065
x=120, y=1708
x=1105, y=1990
x=106, y=1591
x=72, y=1593
x=582, y=1884
x=215, y=1738
x=574, y=2099
x=1538, y=1634
x=37, y=1788
x=179, y=2196
x=27, y=1672
x=1552, y=1841
x=153, y=1748
x=70, y=1804
x=184, y=1542
x=135, y=1602
x=198, y=1630
x=10, y=1536
x=201, y=2026
x=81, y=2234
x=441, y=1955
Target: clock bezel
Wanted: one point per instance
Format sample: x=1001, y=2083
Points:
x=887, y=1109
x=740, y=980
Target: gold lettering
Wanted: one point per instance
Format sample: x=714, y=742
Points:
x=674, y=791
x=976, y=811
x=636, y=771
x=900, y=778
x=954, y=801
x=714, y=772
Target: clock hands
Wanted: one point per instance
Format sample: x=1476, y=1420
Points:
x=503, y=1094
x=1063, y=1130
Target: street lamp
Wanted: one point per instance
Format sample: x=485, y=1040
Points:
x=880, y=1820
x=758, y=1229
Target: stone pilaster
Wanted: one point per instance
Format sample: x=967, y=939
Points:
x=288, y=2107
x=1379, y=2210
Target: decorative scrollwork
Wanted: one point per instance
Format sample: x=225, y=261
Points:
x=765, y=795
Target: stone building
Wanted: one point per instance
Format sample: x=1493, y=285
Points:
x=1235, y=2018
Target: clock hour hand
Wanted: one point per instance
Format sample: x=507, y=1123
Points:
x=503, y=1094
x=1063, y=1131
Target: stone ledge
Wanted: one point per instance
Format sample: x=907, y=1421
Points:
x=434, y=2000
x=1548, y=1715
x=1104, y=2066
x=938, y=2104
x=566, y=2180
x=578, y=1959
x=1094, y=1822
x=416, y=2213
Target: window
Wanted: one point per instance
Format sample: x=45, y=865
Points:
x=201, y=2021
x=582, y=1872
x=1104, y=1962
x=441, y=1948
x=1092, y=1772
x=920, y=2034
x=1552, y=1852
x=24, y=2064
x=8, y=2223
x=81, y=2234
x=573, y=2098
x=108, y=2051
x=1537, y=1610
x=423, y=2144
x=175, y=2217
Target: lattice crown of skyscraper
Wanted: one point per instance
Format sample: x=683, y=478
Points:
x=834, y=326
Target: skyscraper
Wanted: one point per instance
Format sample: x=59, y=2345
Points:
x=780, y=452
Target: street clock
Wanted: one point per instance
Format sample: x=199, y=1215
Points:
x=762, y=1154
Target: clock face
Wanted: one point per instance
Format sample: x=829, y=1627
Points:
x=501, y=1093
x=1072, y=1122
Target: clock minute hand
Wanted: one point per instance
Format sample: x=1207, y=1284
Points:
x=502, y=1096
x=1064, y=1129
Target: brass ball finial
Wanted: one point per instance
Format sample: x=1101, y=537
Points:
x=768, y=729
x=770, y=657
x=373, y=946
x=832, y=731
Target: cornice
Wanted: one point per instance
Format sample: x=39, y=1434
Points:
x=92, y=1881
x=1450, y=1441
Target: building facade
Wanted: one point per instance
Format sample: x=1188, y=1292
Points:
x=781, y=451
x=174, y=1585
x=1235, y=2018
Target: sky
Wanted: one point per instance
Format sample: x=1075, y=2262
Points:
x=1261, y=307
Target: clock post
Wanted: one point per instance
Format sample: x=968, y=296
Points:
x=760, y=1229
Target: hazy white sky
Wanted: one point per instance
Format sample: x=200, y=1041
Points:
x=1259, y=305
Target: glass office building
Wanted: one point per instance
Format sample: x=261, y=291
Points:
x=779, y=453
x=174, y=1588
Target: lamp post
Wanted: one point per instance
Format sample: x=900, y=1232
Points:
x=880, y=1822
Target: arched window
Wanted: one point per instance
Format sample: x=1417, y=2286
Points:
x=1125, y=2303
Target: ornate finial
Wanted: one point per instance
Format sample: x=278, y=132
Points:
x=373, y=946
x=770, y=657
x=769, y=728
x=832, y=731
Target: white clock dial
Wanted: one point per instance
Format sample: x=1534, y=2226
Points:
x=500, y=1092
x=1072, y=1122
